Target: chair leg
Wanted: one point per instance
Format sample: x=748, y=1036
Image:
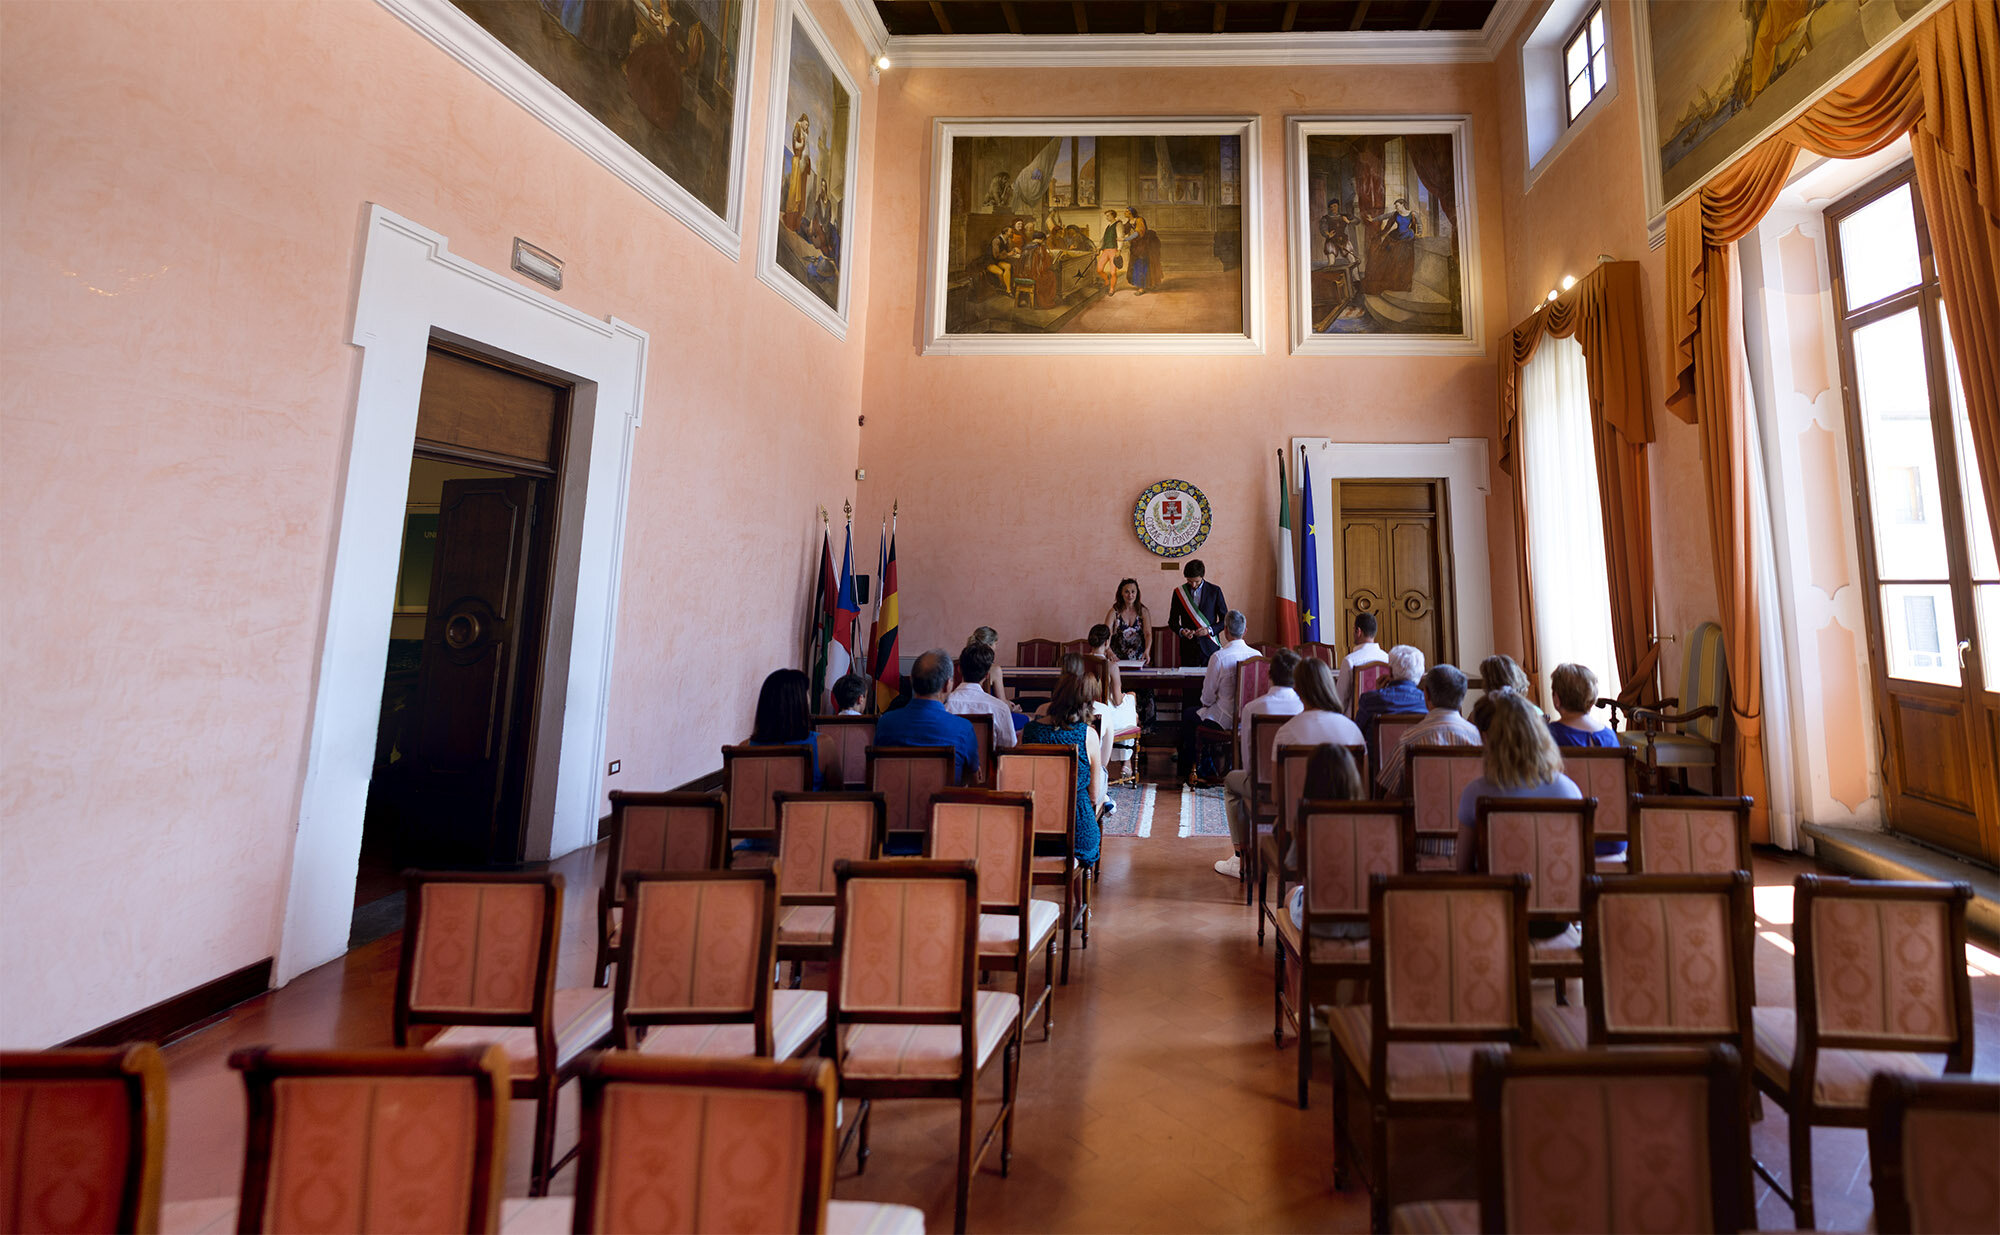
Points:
x=861, y=1147
x=1049, y=985
x=1011, y=1085
x=1562, y=991
x=798, y=973
x=1263, y=904
x=1069, y=918
x=1343, y=1141
x=1278, y=999
x=545, y=1137
x=1090, y=870
x=1378, y=1167
x=1304, y=1013
x=966, y=1108
x=603, y=966
x=1252, y=858
x=1802, y=1167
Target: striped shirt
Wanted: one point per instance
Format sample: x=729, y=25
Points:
x=1439, y=727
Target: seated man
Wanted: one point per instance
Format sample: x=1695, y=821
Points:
x=1444, y=692
x=971, y=699
x=1279, y=700
x=925, y=721
x=1398, y=694
x=1365, y=652
x=1218, y=695
x=848, y=693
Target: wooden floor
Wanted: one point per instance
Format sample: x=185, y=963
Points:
x=1160, y=1105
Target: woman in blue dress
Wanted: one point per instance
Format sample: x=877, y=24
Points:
x=1065, y=721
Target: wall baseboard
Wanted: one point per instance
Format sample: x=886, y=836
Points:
x=706, y=783
x=173, y=1017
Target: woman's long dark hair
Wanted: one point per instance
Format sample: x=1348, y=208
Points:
x=784, y=713
x=1075, y=691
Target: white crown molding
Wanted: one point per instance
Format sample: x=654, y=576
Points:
x=1503, y=23
x=867, y=22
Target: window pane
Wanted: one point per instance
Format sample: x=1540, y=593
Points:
x=1600, y=71
x=1978, y=528
x=1579, y=96
x=1986, y=598
x=1597, y=28
x=1922, y=633
x=1878, y=249
x=1575, y=56
x=1902, y=459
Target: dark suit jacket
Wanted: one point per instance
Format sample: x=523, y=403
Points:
x=1211, y=606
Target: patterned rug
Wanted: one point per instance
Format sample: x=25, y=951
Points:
x=1134, y=816
x=1202, y=813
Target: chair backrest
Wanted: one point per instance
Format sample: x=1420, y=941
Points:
x=1078, y=647
x=1930, y=1149
x=905, y=938
x=1438, y=777
x=1668, y=958
x=1047, y=773
x=1651, y=1140
x=1325, y=653
x=1165, y=650
x=1341, y=846
x=662, y=832
x=710, y=1145
x=697, y=949
x=1366, y=678
x=1253, y=678
x=1881, y=966
x=1609, y=774
x=982, y=739
x=1288, y=784
x=1705, y=679
x=843, y=749
x=82, y=1138
x=994, y=831
x=1389, y=730
x=815, y=830
x=479, y=949
x=1546, y=839
x=907, y=777
x=1036, y=653
x=751, y=774
x=1688, y=836
x=378, y=1140
x=1264, y=728
x=1448, y=958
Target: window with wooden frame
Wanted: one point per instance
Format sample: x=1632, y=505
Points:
x=1586, y=63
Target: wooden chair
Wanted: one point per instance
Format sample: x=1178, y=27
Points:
x=479, y=958
x=1368, y=677
x=694, y=975
x=1342, y=845
x=1263, y=792
x=654, y=832
x=1548, y=840
x=1389, y=730
x=1609, y=774
x=982, y=737
x=1164, y=649
x=1677, y=741
x=1684, y=836
x=908, y=1018
x=1036, y=653
x=843, y=750
x=1652, y=1140
x=1438, y=777
x=1253, y=678
x=1930, y=1144
x=815, y=830
x=82, y=1138
x=1047, y=773
x=1325, y=653
x=374, y=1140
x=1447, y=970
x=1880, y=981
x=1277, y=850
x=697, y=1126
x=1077, y=647
x=750, y=775
x=996, y=832
x=908, y=777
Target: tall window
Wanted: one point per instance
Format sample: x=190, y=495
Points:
x=1585, y=62
x=1565, y=517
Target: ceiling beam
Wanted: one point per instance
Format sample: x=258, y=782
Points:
x=1291, y=15
x=1360, y=14
x=1221, y=16
x=1152, y=16
x=1013, y=18
x=1077, y=15
x=1430, y=15
x=944, y=23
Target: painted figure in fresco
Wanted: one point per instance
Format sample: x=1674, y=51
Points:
x=1000, y=258
x=663, y=51
x=1146, y=272
x=1038, y=262
x=1336, y=232
x=998, y=194
x=1393, y=265
x=798, y=170
x=1109, y=260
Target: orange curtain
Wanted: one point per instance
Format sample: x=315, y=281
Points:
x=1943, y=82
x=1605, y=312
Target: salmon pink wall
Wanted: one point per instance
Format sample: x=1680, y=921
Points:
x=1017, y=476
x=184, y=193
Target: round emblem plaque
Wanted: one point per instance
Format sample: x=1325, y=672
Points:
x=1171, y=518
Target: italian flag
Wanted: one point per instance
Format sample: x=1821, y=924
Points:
x=1288, y=591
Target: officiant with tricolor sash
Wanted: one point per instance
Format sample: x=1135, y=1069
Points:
x=1197, y=615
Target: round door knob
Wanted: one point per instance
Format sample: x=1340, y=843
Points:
x=461, y=631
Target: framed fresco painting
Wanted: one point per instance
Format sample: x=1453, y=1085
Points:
x=657, y=91
x=1094, y=236
x=1384, y=236
x=805, y=241
x=1716, y=79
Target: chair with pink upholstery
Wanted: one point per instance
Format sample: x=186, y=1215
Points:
x=1389, y=730
x=1277, y=855
x=1047, y=773
x=1163, y=649
x=1548, y=840
x=479, y=958
x=815, y=830
x=1447, y=970
x=1037, y=653
x=1367, y=677
x=1438, y=777
x=908, y=777
x=654, y=832
x=750, y=775
x=843, y=750
x=1880, y=984
x=1325, y=653
x=995, y=830
x=1076, y=647
x=908, y=1018
x=1611, y=775
x=694, y=975
x=1264, y=728
x=375, y=1140
x=982, y=739
x=82, y=1138
x=1253, y=680
x=1673, y=835
x=1650, y=1140
x=1341, y=846
x=1931, y=1145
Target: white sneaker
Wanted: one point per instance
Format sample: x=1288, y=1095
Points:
x=1231, y=866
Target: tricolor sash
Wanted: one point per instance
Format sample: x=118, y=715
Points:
x=1186, y=616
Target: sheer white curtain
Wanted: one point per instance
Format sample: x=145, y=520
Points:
x=1565, y=519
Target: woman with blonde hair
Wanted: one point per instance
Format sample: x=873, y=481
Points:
x=1521, y=762
x=1498, y=673
x=995, y=683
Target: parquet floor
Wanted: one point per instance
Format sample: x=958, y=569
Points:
x=1159, y=1105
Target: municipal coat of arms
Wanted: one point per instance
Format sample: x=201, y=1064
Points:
x=1171, y=518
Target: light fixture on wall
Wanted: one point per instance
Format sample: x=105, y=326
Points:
x=879, y=66
x=1553, y=293
x=1569, y=281
x=538, y=264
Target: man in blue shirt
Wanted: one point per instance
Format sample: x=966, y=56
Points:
x=925, y=721
x=1398, y=694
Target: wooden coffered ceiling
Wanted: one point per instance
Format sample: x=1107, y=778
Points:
x=1178, y=17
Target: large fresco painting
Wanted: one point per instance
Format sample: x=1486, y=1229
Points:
x=810, y=180
x=1721, y=74
x=1092, y=237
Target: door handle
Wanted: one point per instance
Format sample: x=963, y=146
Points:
x=1964, y=645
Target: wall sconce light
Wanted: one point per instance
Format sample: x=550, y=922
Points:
x=882, y=63
x=1569, y=281
x=538, y=264
x=1552, y=295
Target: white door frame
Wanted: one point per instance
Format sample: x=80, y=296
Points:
x=414, y=289
x=1462, y=463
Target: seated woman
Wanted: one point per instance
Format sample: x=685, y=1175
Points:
x=1065, y=721
x=1574, y=689
x=1521, y=762
x=784, y=718
x=1108, y=720
x=1498, y=673
x=1330, y=777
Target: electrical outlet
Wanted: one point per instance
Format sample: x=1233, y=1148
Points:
x=615, y=765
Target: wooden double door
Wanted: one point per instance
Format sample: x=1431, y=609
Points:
x=1394, y=561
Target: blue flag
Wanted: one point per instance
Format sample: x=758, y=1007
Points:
x=845, y=611
x=1309, y=582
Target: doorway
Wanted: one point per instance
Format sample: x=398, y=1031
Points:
x=1395, y=541
x=455, y=743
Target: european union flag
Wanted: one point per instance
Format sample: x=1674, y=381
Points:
x=1309, y=580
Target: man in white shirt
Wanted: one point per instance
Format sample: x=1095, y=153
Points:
x=1218, y=693
x=1444, y=691
x=971, y=699
x=1366, y=652
x=847, y=693
x=1279, y=700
